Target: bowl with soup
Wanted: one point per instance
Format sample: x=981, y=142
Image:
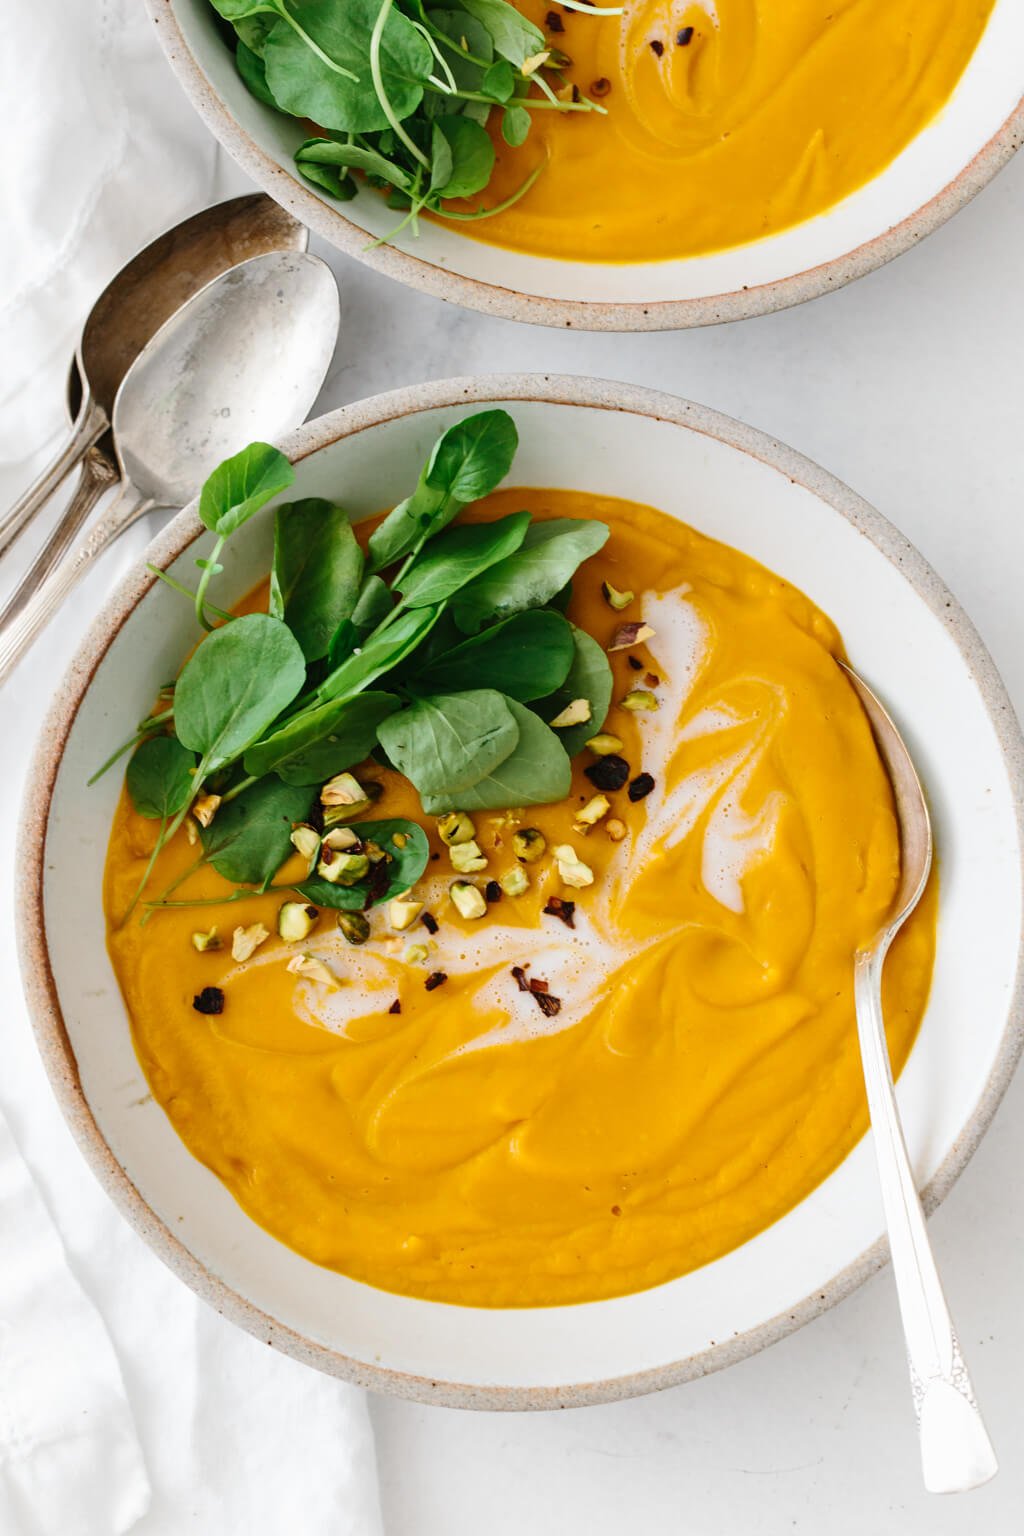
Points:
x=442, y=943
x=634, y=168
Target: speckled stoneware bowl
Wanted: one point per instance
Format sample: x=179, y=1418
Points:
x=938, y=173
x=904, y=632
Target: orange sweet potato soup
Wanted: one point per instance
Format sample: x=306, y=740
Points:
x=616, y=1079
x=726, y=121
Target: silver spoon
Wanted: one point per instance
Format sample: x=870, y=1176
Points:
x=956, y=1453
x=133, y=307
x=244, y=359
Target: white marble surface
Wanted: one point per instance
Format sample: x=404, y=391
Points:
x=906, y=385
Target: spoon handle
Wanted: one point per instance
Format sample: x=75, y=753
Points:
x=44, y=590
x=90, y=424
x=956, y=1453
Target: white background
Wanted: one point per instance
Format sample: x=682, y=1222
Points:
x=908, y=386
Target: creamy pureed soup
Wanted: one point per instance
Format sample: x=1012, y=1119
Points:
x=701, y=1074
x=726, y=120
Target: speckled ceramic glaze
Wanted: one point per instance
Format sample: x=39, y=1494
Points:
x=938, y=173
x=907, y=636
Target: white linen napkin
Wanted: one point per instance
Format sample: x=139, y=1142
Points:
x=125, y=1403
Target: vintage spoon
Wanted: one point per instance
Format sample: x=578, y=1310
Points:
x=244, y=359
x=956, y=1453
x=133, y=307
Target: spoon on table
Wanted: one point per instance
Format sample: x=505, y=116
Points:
x=956, y=1453
x=133, y=307
x=244, y=359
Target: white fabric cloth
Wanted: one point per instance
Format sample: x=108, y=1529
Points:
x=125, y=1404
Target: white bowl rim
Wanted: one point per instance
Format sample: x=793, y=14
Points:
x=506, y=303
x=40, y=987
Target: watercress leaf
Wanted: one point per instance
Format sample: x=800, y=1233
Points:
x=330, y=180
x=319, y=85
x=537, y=772
x=408, y=860
x=234, y=686
x=467, y=462
x=241, y=485
x=250, y=837
x=515, y=126
x=589, y=677
x=325, y=152
x=446, y=743
x=250, y=66
x=455, y=557
x=317, y=572
x=159, y=777
x=374, y=604
x=499, y=81
x=472, y=156
x=441, y=161
x=253, y=29
x=525, y=657
x=318, y=743
x=537, y=572
x=514, y=38
x=381, y=652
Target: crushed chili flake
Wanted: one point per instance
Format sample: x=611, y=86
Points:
x=435, y=979
x=684, y=37
x=641, y=786
x=554, y=22
x=430, y=922
x=576, y=93
x=635, y=663
x=434, y=856
x=209, y=1000
x=377, y=884
x=520, y=976
x=601, y=87
x=492, y=891
x=547, y=1004
x=609, y=772
x=657, y=48
x=396, y=1006
x=558, y=907
x=652, y=680
x=536, y=985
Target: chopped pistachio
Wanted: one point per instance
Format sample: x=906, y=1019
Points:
x=312, y=968
x=515, y=881
x=614, y=598
x=576, y=713
x=571, y=867
x=616, y=829
x=628, y=635
x=468, y=899
x=306, y=840
x=246, y=941
x=374, y=852
x=206, y=808
x=467, y=858
x=403, y=911
x=639, y=699
x=204, y=941
x=191, y=831
x=344, y=797
x=536, y=61
x=344, y=869
x=355, y=927
x=592, y=812
x=296, y=920
x=455, y=828
x=605, y=744
x=342, y=840
x=416, y=954
x=529, y=844
x=399, y=839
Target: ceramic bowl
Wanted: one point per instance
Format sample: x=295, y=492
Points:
x=904, y=632
x=938, y=173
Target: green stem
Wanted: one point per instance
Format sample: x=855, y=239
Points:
x=148, y=727
x=204, y=582
x=377, y=76
x=532, y=103
x=237, y=789
x=325, y=58
x=149, y=870
x=179, y=586
x=488, y=213
x=179, y=880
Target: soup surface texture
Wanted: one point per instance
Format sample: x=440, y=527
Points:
x=702, y=1074
x=726, y=121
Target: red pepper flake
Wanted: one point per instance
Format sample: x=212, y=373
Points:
x=547, y=1004
x=492, y=891
x=434, y=857
x=601, y=87
x=652, y=680
x=635, y=663
x=435, y=979
x=557, y=907
x=396, y=1006
x=377, y=884
x=641, y=787
x=520, y=976
x=576, y=94
x=554, y=22
x=430, y=922
x=657, y=48
x=209, y=1000
x=536, y=985
x=609, y=772
x=684, y=37
x=616, y=1210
